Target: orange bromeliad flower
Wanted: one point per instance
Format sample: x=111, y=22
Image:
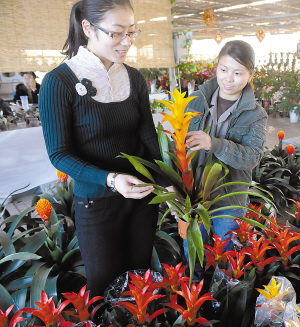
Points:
x=43, y=208
x=280, y=135
x=180, y=122
x=290, y=149
x=62, y=176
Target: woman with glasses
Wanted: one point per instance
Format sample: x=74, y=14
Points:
x=93, y=107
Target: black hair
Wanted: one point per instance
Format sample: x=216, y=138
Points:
x=240, y=51
x=29, y=73
x=93, y=11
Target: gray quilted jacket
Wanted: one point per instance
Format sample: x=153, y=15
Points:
x=243, y=145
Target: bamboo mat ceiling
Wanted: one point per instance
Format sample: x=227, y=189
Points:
x=32, y=34
x=236, y=17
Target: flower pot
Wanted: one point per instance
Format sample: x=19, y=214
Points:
x=34, y=123
x=182, y=227
x=4, y=127
x=21, y=124
x=293, y=117
x=153, y=86
x=191, y=87
x=267, y=104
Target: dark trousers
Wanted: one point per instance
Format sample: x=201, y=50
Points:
x=115, y=235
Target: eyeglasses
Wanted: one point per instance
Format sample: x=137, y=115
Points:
x=118, y=36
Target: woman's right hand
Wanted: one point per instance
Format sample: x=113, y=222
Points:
x=125, y=185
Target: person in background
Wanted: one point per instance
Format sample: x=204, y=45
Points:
x=93, y=107
x=4, y=106
x=238, y=127
x=29, y=87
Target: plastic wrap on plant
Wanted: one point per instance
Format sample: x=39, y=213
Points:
x=231, y=296
x=291, y=316
x=113, y=293
x=272, y=312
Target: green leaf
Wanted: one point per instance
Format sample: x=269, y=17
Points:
x=69, y=258
x=6, y=300
x=164, y=197
x=19, y=283
x=17, y=220
x=155, y=262
x=188, y=205
x=19, y=297
x=197, y=239
x=6, y=243
x=20, y=256
x=171, y=173
x=169, y=239
x=51, y=288
x=191, y=251
x=19, y=189
x=205, y=217
x=163, y=142
x=34, y=243
x=139, y=167
x=211, y=180
x=38, y=284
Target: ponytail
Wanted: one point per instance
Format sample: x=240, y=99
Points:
x=93, y=11
x=76, y=36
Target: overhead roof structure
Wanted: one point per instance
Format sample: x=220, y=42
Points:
x=238, y=17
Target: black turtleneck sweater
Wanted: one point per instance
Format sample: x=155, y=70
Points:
x=84, y=137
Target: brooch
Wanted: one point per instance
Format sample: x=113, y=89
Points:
x=85, y=87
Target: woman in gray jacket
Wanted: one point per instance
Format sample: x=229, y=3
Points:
x=238, y=126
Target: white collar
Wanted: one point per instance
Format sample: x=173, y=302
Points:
x=93, y=62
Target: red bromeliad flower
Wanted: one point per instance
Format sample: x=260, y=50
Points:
x=142, y=291
x=81, y=303
x=253, y=215
x=236, y=265
x=282, y=242
x=175, y=277
x=215, y=254
x=14, y=320
x=296, y=213
x=274, y=227
x=243, y=232
x=280, y=135
x=62, y=176
x=290, y=149
x=50, y=315
x=193, y=303
x=257, y=252
x=142, y=282
x=43, y=208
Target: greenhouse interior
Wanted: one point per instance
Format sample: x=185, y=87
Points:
x=183, y=112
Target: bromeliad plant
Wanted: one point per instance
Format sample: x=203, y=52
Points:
x=193, y=187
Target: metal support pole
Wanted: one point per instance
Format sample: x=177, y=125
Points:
x=172, y=79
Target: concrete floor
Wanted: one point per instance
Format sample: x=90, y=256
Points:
x=22, y=201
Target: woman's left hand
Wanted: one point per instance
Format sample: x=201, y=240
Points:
x=197, y=140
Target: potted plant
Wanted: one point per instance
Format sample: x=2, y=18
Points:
x=190, y=197
x=291, y=94
x=151, y=75
x=188, y=72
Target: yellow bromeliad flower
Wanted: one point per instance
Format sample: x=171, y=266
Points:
x=273, y=290
x=43, y=208
x=180, y=122
x=62, y=176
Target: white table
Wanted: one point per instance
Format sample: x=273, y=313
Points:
x=23, y=160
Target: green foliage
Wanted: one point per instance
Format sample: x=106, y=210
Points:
x=35, y=256
x=275, y=174
x=291, y=91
